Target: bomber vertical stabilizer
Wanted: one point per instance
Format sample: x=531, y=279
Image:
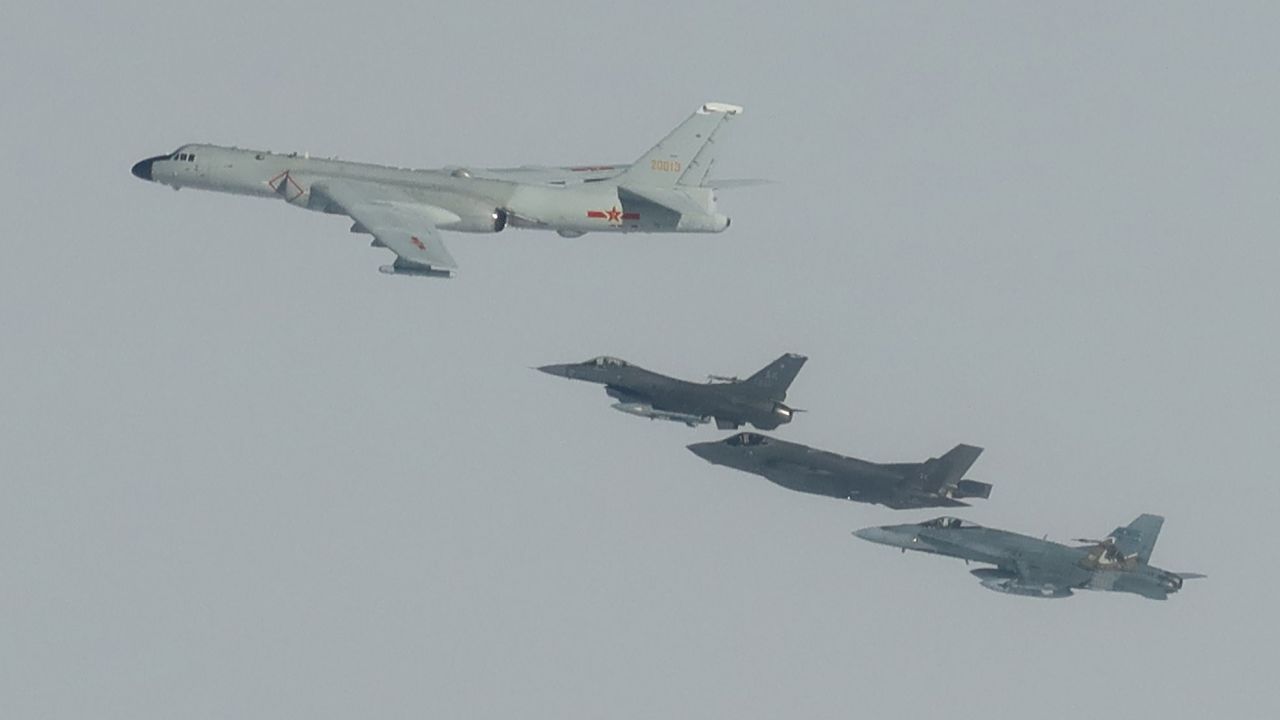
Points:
x=686, y=155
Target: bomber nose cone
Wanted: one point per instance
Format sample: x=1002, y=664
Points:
x=142, y=169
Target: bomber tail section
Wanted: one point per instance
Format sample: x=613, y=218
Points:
x=774, y=379
x=686, y=155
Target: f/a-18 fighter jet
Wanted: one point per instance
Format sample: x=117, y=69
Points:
x=1034, y=567
x=936, y=482
x=668, y=189
x=729, y=401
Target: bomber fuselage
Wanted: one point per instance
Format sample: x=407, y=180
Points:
x=470, y=200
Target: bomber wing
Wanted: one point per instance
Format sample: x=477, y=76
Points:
x=402, y=226
x=553, y=176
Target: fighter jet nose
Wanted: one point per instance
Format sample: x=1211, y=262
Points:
x=875, y=535
x=557, y=370
x=703, y=450
x=142, y=169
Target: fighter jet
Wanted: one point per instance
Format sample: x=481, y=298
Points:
x=936, y=482
x=668, y=189
x=729, y=401
x=1041, y=568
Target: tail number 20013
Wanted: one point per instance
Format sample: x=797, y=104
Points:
x=665, y=165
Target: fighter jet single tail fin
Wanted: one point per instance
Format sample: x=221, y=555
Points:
x=686, y=155
x=948, y=472
x=777, y=376
x=1138, y=538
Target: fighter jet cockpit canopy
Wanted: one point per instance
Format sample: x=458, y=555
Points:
x=746, y=439
x=948, y=522
x=604, y=361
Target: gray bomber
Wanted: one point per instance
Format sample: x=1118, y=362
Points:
x=1030, y=566
x=758, y=400
x=936, y=482
x=668, y=189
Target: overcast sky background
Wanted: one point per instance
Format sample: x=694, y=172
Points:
x=245, y=475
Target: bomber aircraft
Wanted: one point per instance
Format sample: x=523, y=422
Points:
x=729, y=401
x=669, y=189
x=936, y=482
x=1034, y=567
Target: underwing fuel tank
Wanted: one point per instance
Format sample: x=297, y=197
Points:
x=648, y=411
x=1003, y=582
x=415, y=270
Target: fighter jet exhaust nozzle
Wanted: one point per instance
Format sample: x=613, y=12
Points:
x=500, y=217
x=785, y=412
x=972, y=489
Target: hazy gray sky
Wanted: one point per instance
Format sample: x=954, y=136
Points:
x=244, y=475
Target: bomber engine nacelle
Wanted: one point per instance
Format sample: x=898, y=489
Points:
x=1005, y=582
x=480, y=220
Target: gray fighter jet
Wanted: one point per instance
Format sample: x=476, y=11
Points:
x=668, y=189
x=729, y=401
x=936, y=482
x=1034, y=567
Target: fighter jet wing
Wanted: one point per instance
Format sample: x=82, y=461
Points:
x=403, y=227
x=914, y=501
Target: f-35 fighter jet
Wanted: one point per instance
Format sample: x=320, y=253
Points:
x=936, y=482
x=1033, y=567
x=668, y=189
x=729, y=401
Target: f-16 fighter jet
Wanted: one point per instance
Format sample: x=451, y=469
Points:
x=668, y=189
x=729, y=401
x=1040, y=568
x=936, y=482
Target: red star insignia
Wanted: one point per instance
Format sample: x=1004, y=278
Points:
x=614, y=215
x=417, y=243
